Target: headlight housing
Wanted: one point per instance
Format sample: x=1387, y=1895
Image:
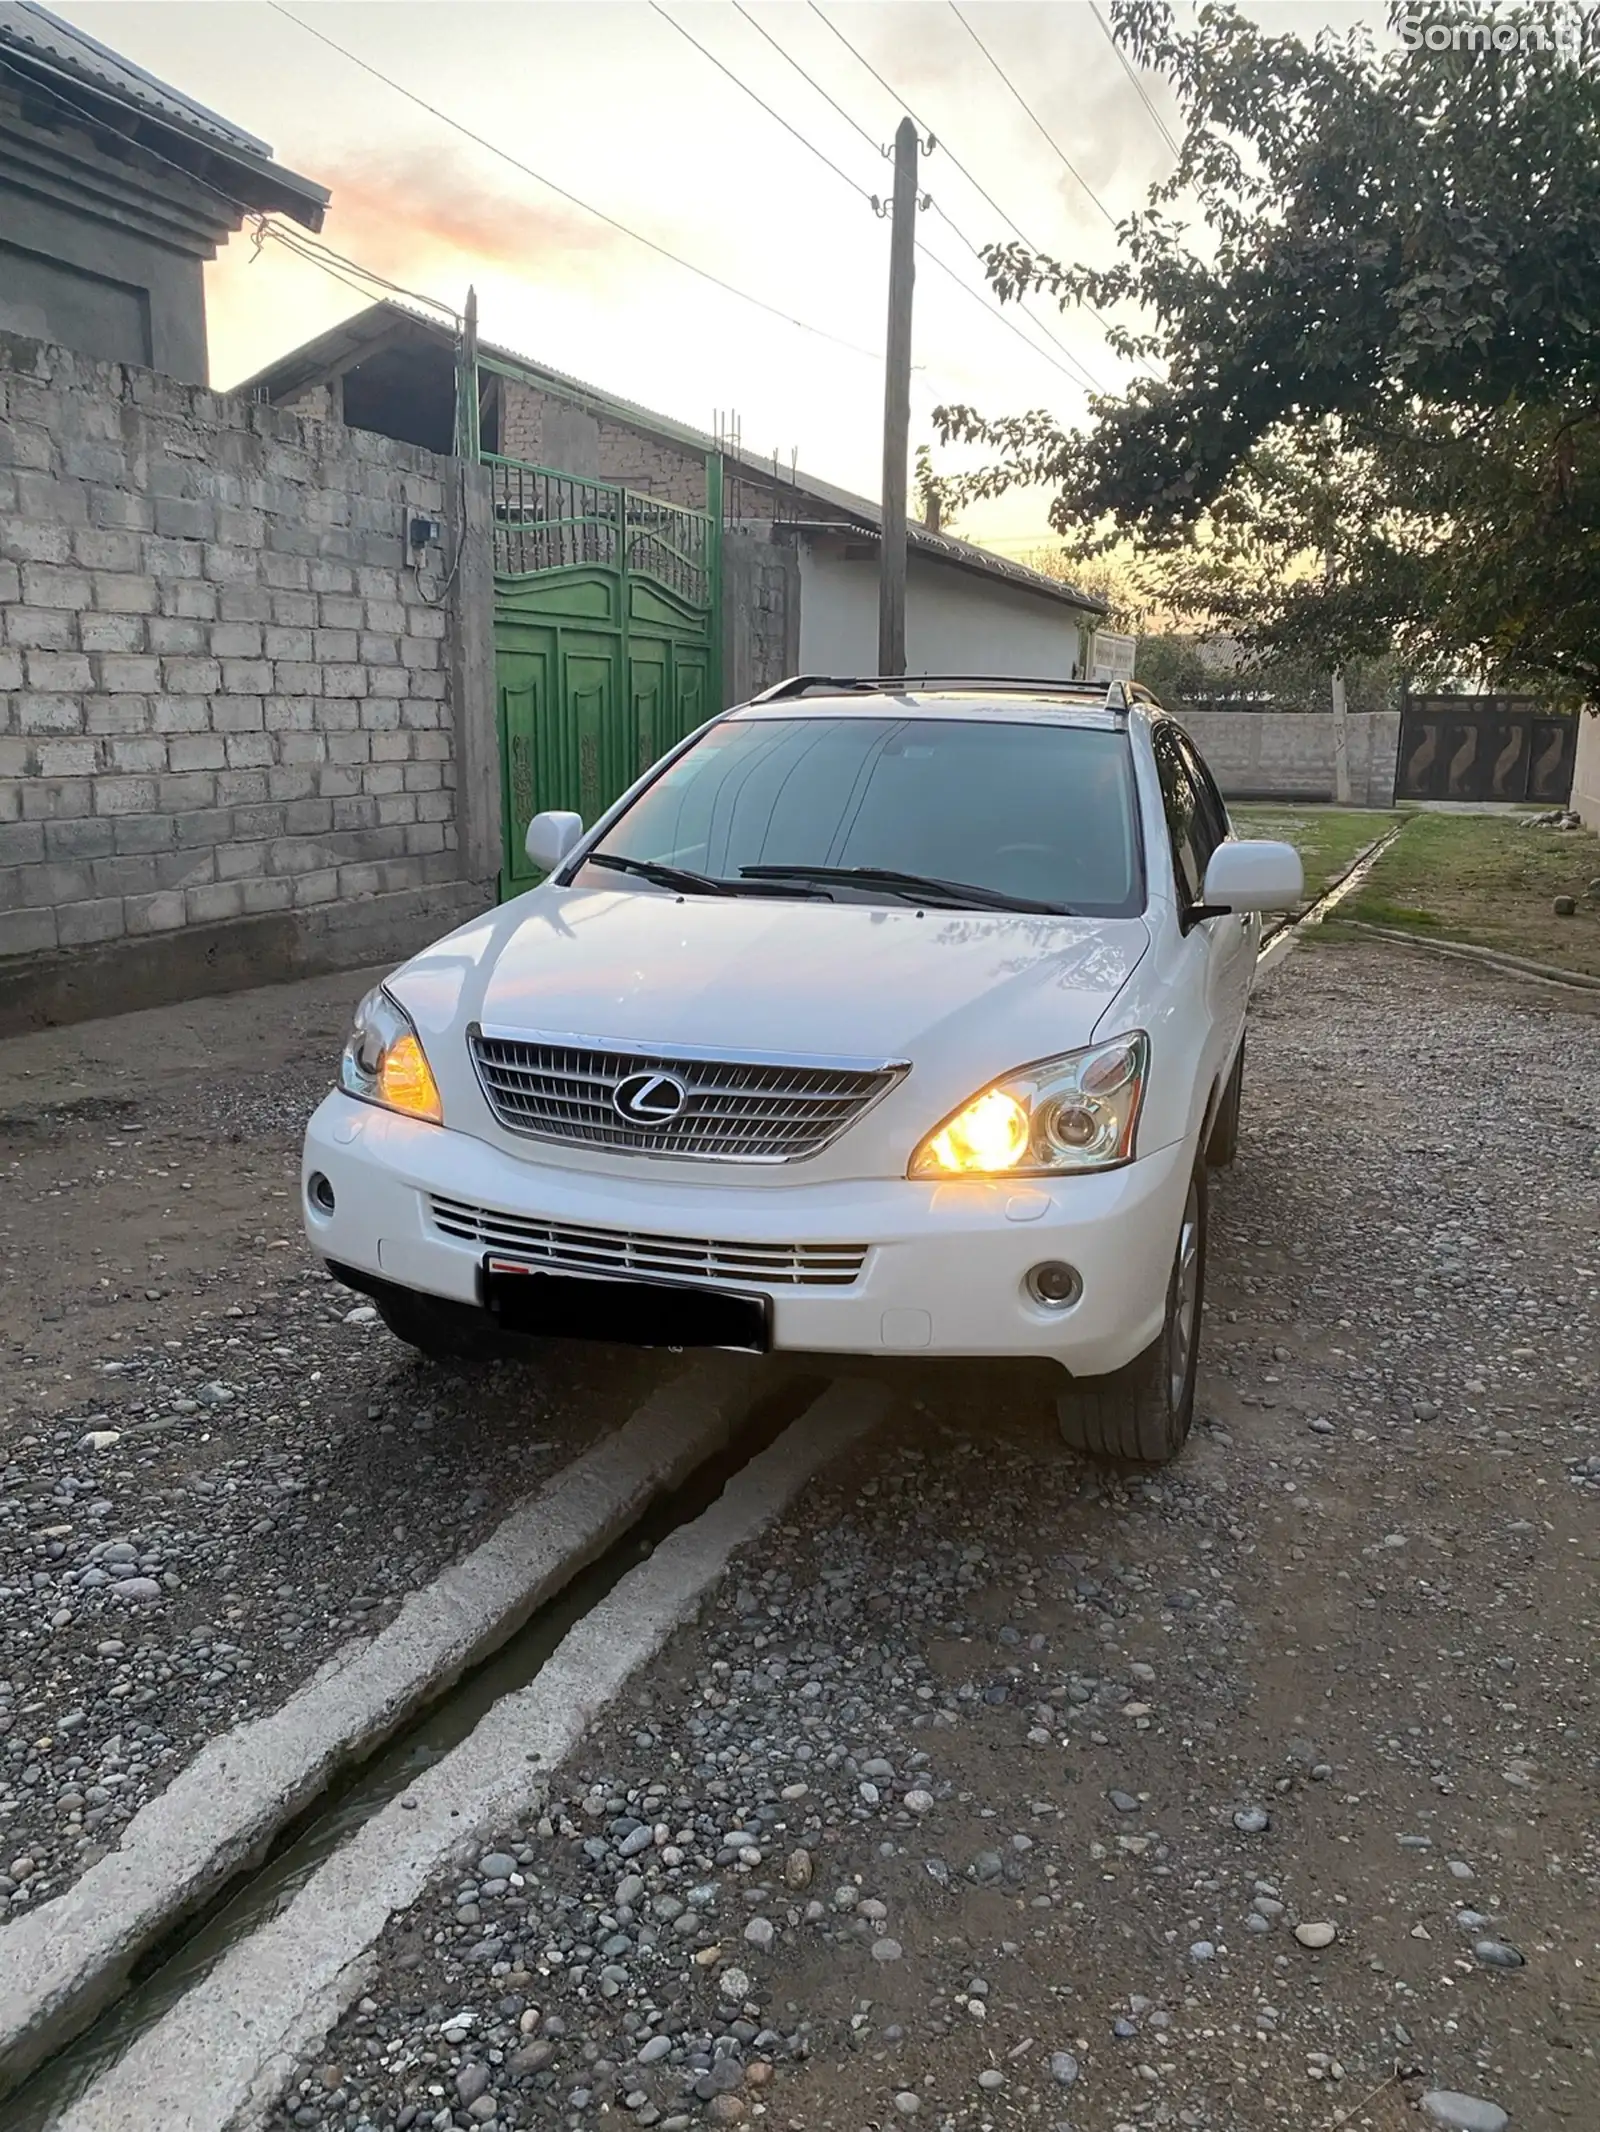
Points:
x=1075, y=1112
x=384, y=1062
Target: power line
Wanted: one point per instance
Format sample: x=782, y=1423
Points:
x=811, y=148
x=1128, y=68
x=978, y=187
x=479, y=140
x=776, y=116
x=1079, y=369
x=1039, y=125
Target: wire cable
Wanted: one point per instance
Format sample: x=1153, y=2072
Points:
x=977, y=185
x=1131, y=71
x=810, y=146
x=493, y=148
x=1045, y=134
x=761, y=30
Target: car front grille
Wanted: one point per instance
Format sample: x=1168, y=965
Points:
x=572, y=1248
x=733, y=1109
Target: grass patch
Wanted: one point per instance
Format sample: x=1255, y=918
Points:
x=1328, y=839
x=1490, y=881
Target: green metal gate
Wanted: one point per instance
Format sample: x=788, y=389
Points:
x=607, y=630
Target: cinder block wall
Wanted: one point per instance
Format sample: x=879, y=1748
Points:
x=1289, y=754
x=224, y=690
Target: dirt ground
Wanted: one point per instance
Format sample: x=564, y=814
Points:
x=995, y=1792
x=211, y=1472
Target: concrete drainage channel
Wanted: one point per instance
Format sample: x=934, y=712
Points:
x=235, y=1923
x=1281, y=937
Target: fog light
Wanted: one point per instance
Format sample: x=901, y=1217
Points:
x=320, y=1192
x=1054, y=1284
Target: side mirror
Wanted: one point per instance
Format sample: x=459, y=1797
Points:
x=551, y=837
x=1251, y=874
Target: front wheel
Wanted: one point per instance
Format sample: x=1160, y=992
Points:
x=1142, y=1412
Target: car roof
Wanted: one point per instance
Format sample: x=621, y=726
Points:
x=1090, y=705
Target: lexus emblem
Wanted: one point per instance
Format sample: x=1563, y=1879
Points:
x=649, y=1098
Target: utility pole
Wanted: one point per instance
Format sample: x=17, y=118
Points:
x=1341, y=725
x=897, y=405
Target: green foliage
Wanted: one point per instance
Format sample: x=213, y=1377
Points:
x=1380, y=345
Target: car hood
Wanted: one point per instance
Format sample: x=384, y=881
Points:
x=975, y=992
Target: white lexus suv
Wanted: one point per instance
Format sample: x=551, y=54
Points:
x=878, y=1018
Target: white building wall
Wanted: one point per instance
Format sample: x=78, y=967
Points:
x=1585, y=801
x=956, y=623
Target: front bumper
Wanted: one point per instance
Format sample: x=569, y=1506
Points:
x=944, y=1267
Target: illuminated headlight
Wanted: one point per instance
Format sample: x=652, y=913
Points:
x=384, y=1061
x=1076, y=1112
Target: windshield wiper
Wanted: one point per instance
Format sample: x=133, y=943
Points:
x=688, y=882
x=926, y=888
x=679, y=877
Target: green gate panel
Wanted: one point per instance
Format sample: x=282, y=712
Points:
x=606, y=650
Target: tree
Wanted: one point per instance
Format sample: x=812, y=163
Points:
x=1381, y=344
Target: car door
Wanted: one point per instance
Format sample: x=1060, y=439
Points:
x=1237, y=940
x=1195, y=831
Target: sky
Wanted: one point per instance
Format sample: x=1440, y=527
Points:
x=615, y=105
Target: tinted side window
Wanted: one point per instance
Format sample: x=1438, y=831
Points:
x=1192, y=842
x=1216, y=813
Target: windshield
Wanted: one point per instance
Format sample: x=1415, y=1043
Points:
x=1041, y=812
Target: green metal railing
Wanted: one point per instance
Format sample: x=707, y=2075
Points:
x=544, y=520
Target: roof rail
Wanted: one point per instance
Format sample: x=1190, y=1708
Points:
x=901, y=684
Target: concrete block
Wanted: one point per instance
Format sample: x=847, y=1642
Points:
x=256, y=820
x=423, y=653
x=73, y=762
x=191, y=677
x=23, y=843
x=113, y=632
x=250, y=751
x=172, y=559
x=10, y=583
x=296, y=677
x=124, y=593
x=54, y=884
x=294, y=610
x=90, y=838
x=241, y=862
x=35, y=540
x=393, y=746
x=397, y=807
x=158, y=913
x=275, y=894
x=59, y=670
x=308, y=817
x=196, y=751
x=289, y=714
x=136, y=752
x=47, y=714
x=285, y=573
x=339, y=714
x=353, y=748
x=333, y=578
x=237, y=714
x=381, y=714
x=213, y=902
x=334, y=612
x=390, y=618
x=81, y=925
x=121, y=675
x=190, y=596
x=338, y=780
x=236, y=640
x=180, y=714
x=335, y=646
x=185, y=869
x=244, y=603
x=125, y=795
x=97, y=549
x=436, y=806
x=319, y=886
x=347, y=681
x=234, y=566
x=179, y=638
x=27, y=932
x=138, y=833
x=241, y=788
x=50, y=585
x=294, y=645
x=121, y=510
x=201, y=828
x=41, y=628
x=292, y=782
x=116, y=714
x=246, y=677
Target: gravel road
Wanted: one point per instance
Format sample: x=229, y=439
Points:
x=996, y=1791
x=214, y=1467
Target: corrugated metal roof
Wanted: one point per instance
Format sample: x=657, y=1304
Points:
x=60, y=48
x=327, y=351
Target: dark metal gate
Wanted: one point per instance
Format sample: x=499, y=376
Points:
x=607, y=636
x=1508, y=748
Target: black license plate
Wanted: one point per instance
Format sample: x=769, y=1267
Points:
x=574, y=1306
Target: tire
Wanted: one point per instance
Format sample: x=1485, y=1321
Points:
x=1141, y=1414
x=1223, y=1143
x=432, y=1327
